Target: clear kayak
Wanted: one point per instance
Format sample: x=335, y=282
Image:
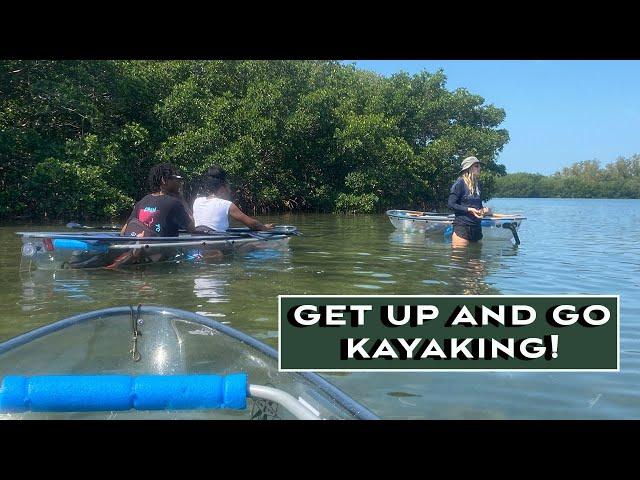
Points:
x=496, y=227
x=154, y=362
x=60, y=250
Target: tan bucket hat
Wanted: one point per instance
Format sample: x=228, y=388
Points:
x=467, y=162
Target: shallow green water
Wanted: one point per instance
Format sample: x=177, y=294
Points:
x=568, y=247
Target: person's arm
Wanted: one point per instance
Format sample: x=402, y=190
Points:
x=134, y=214
x=252, y=223
x=454, y=198
x=184, y=216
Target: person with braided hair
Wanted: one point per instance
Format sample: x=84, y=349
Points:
x=162, y=213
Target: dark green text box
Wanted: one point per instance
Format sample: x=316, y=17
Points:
x=580, y=346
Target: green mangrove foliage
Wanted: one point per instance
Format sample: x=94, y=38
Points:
x=77, y=138
x=620, y=179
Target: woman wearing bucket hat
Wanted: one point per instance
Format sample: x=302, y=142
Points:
x=465, y=201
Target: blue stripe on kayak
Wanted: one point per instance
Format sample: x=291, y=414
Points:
x=71, y=244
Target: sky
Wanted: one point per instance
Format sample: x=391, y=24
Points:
x=558, y=112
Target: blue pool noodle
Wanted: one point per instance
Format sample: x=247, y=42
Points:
x=89, y=393
x=70, y=244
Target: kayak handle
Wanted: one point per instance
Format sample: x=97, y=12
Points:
x=91, y=393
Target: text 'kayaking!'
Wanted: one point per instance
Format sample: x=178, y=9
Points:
x=449, y=332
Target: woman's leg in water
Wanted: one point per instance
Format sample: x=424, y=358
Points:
x=457, y=241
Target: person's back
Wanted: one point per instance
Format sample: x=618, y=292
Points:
x=159, y=215
x=212, y=212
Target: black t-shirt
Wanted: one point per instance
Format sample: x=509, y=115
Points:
x=160, y=215
x=460, y=198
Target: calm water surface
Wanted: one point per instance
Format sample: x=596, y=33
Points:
x=568, y=247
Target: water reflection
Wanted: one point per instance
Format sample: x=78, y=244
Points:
x=212, y=289
x=270, y=256
x=469, y=269
x=456, y=270
x=40, y=287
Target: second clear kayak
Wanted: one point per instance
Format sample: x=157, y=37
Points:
x=494, y=227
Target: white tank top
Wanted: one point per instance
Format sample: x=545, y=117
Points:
x=212, y=213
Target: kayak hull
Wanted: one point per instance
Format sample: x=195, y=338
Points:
x=431, y=224
x=61, y=250
x=493, y=228
x=169, y=342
